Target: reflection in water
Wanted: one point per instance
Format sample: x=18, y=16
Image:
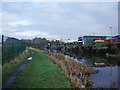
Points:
x=107, y=76
x=82, y=61
x=114, y=61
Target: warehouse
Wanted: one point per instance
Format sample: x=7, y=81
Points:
x=90, y=40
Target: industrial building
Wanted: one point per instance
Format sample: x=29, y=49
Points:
x=89, y=40
x=99, y=40
x=118, y=38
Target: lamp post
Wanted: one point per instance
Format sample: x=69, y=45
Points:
x=111, y=31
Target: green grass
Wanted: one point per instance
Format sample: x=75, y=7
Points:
x=7, y=71
x=41, y=72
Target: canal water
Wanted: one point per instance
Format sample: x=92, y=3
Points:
x=105, y=78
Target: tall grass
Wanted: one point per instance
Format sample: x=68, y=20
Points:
x=14, y=61
x=8, y=68
x=78, y=74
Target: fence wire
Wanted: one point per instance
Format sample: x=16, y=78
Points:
x=11, y=48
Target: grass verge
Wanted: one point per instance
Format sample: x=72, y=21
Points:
x=41, y=72
x=8, y=68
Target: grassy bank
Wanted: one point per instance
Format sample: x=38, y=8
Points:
x=78, y=74
x=8, y=68
x=41, y=72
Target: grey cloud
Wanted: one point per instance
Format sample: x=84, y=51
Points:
x=71, y=19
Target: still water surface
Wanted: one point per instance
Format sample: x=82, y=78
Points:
x=106, y=77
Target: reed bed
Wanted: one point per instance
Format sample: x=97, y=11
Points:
x=78, y=74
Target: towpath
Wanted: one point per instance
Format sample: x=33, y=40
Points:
x=13, y=76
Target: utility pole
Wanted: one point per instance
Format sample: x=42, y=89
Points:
x=111, y=31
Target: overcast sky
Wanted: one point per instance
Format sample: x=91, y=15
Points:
x=66, y=20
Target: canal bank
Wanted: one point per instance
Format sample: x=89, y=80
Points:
x=106, y=75
x=78, y=74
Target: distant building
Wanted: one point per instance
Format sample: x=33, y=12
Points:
x=54, y=39
x=49, y=39
x=80, y=39
x=118, y=38
x=89, y=40
x=110, y=40
x=99, y=41
x=58, y=40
